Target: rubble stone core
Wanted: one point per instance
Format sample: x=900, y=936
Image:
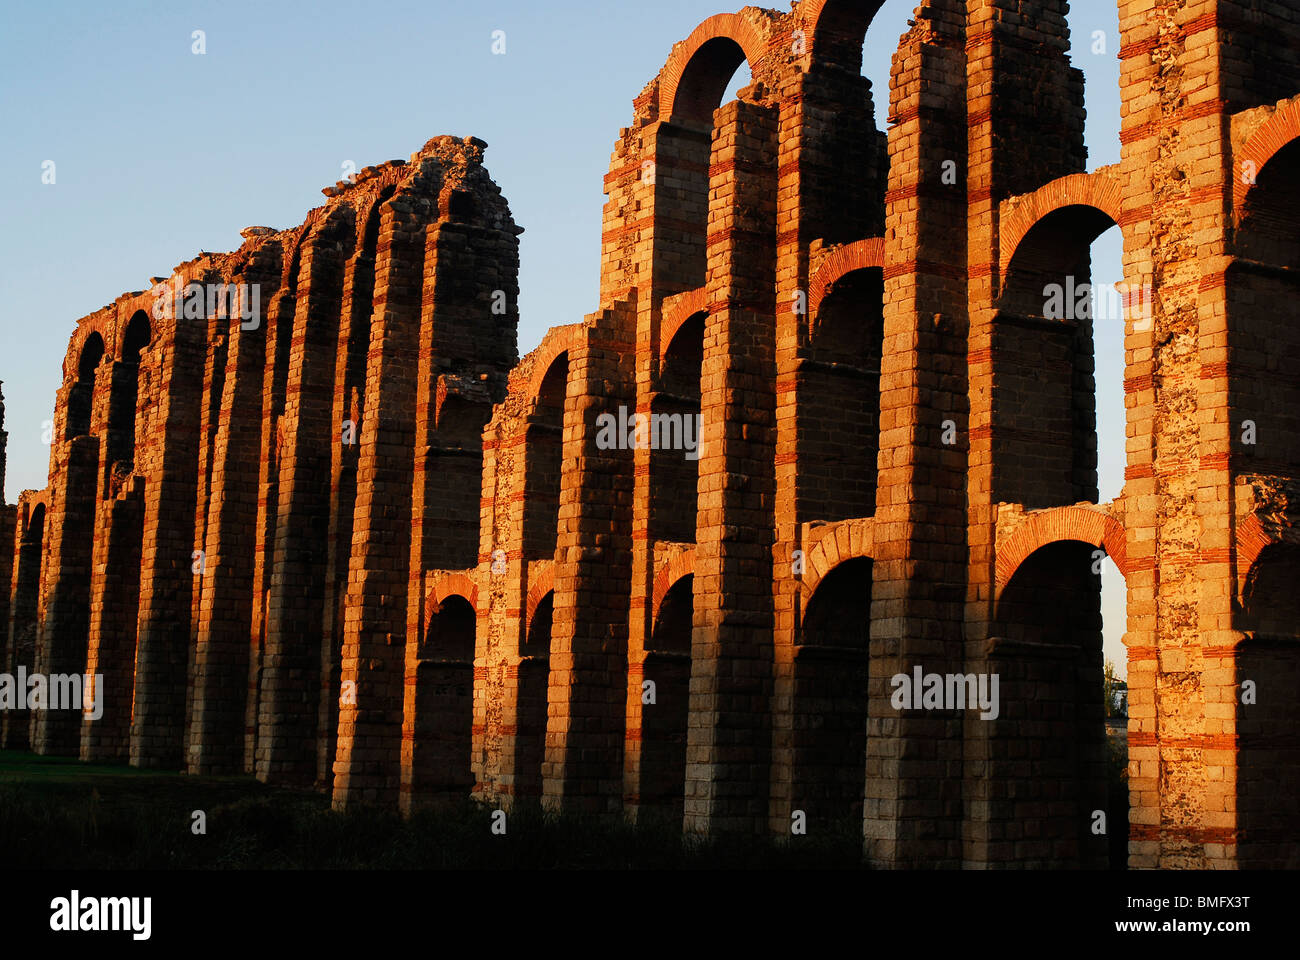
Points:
x=825, y=428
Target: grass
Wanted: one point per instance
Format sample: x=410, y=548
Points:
x=57, y=813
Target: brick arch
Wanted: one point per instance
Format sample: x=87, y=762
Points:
x=838, y=28
x=828, y=554
x=34, y=497
x=1251, y=540
x=450, y=585
x=72, y=359
x=378, y=203
x=1265, y=143
x=119, y=342
x=369, y=219
x=291, y=261
x=1055, y=525
x=682, y=565
x=40, y=509
x=715, y=68
x=539, y=586
x=860, y=255
x=558, y=340
x=31, y=501
x=684, y=307
x=1099, y=190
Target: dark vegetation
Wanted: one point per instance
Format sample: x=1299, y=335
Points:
x=57, y=813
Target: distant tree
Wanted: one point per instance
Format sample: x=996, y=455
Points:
x=1111, y=685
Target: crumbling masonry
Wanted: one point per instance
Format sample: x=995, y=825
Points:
x=266, y=535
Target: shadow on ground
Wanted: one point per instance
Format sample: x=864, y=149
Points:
x=57, y=813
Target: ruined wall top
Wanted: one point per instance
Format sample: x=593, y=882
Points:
x=447, y=171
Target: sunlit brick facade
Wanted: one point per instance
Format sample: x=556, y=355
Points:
x=897, y=464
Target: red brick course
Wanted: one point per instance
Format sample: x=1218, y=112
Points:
x=364, y=545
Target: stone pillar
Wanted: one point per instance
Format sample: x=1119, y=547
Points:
x=11, y=521
x=225, y=583
x=501, y=572
x=1180, y=77
x=349, y=403
x=211, y=414
x=367, y=767
x=9, y=561
x=728, y=739
x=830, y=190
x=166, y=457
x=24, y=614
x=290, y=678
x=64, y=627
x=114, y=611
x=275, y=378
x=587, y=698
x=1023, y=133
x=658, y=183
x=469, y=333
x=4, y=443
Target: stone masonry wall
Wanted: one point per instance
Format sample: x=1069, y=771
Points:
x=822, y=435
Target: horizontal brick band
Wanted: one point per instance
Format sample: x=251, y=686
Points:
x=1199, y=835
x=1197, y=111
x=1139, y=48
x=1199, y=742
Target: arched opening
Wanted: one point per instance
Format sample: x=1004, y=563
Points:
x=543, y=454
x=1044, y=386
x=1114, y=623
x=846, y=161
x=82, y=396
x=1111, y=316
x=1264, y=320
x=1270, y=602
x=841, y=27
x=534, y=684
x=839, y=402
x=1267, y=231
x=1111, y=319
x=1268, y=712
x=663, y=722
x=1048, y=774
x=1094, y=48
x=444, y=708
x=741, y=79
x=124, y=404
x=681, y=157
x=706, y=77
x=354, y=357
x=830, y=701
x=24, y=623
x=351, y=384
x=675, y=467
x=1264, y=397
x=454, y=472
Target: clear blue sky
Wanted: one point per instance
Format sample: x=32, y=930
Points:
x=160, y=153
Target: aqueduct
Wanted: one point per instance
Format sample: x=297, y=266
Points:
x=293, y=551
